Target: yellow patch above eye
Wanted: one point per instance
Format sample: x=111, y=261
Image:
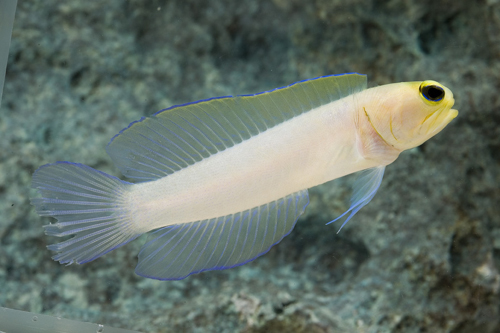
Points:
x=431, y=92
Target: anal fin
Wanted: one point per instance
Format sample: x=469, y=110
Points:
x=174, y=252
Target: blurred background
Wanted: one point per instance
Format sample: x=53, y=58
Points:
x=423, y=256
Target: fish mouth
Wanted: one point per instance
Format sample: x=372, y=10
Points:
x=449, y=114
x=438, y=119
x=453, y=113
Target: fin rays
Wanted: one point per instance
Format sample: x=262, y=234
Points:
x=87, y=204
x=365, y=188
x=182, y=135
x=175, y=252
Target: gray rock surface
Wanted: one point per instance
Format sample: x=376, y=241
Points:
x=423, y=256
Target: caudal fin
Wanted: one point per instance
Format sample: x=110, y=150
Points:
x=88, y=204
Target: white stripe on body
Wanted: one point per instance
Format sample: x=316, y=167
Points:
x=305, y=151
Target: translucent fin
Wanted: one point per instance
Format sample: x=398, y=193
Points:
x=365, y=187
x=174, y=252
x=86, y=203
x=182, y=135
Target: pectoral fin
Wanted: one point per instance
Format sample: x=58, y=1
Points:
x=365, y=187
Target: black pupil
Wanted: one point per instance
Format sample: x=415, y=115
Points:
x=433, y=93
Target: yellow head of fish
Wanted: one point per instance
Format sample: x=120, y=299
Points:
x=407, y=114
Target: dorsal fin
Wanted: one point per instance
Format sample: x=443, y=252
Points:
x=182, y=135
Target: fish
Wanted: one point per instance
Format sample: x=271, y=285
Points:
x=218, y=182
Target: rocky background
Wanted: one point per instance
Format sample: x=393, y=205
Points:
x=423, y=256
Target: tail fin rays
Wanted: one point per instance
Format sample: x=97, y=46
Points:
x=88, y=204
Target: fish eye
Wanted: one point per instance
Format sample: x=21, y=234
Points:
x=431, y=91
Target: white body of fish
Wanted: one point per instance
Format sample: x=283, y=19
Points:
x=310, y=149
x=223, y=180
